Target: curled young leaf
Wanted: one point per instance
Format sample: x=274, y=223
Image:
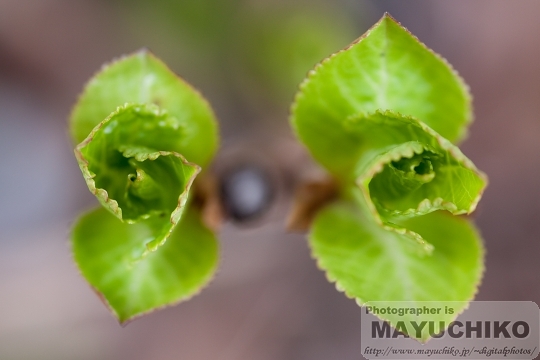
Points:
x=122, y=166
x=147, y=135
x=383, y=117
x=405, y=169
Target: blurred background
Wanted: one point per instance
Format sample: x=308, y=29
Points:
x=268, y=300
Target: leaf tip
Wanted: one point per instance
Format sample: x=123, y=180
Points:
x=143, y=51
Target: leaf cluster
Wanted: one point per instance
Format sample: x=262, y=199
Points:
x=144, y=135
x=384, y=116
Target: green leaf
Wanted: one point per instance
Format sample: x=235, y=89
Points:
x=141, y=78
x=406, y=169
x=130, y=177
x=371, y=264
x=107, y=252
x=386, y=69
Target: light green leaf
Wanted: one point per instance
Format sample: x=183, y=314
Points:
x=141, y=78
x=371, y=264
x=131, y=178
x=406, y=169
x=107, y=252
x=386, y=69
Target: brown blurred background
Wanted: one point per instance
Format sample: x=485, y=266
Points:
x=268, y=300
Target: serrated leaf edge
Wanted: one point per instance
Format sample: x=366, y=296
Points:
x=361, y=303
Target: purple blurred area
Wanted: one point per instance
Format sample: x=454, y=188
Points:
x=268, y=301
